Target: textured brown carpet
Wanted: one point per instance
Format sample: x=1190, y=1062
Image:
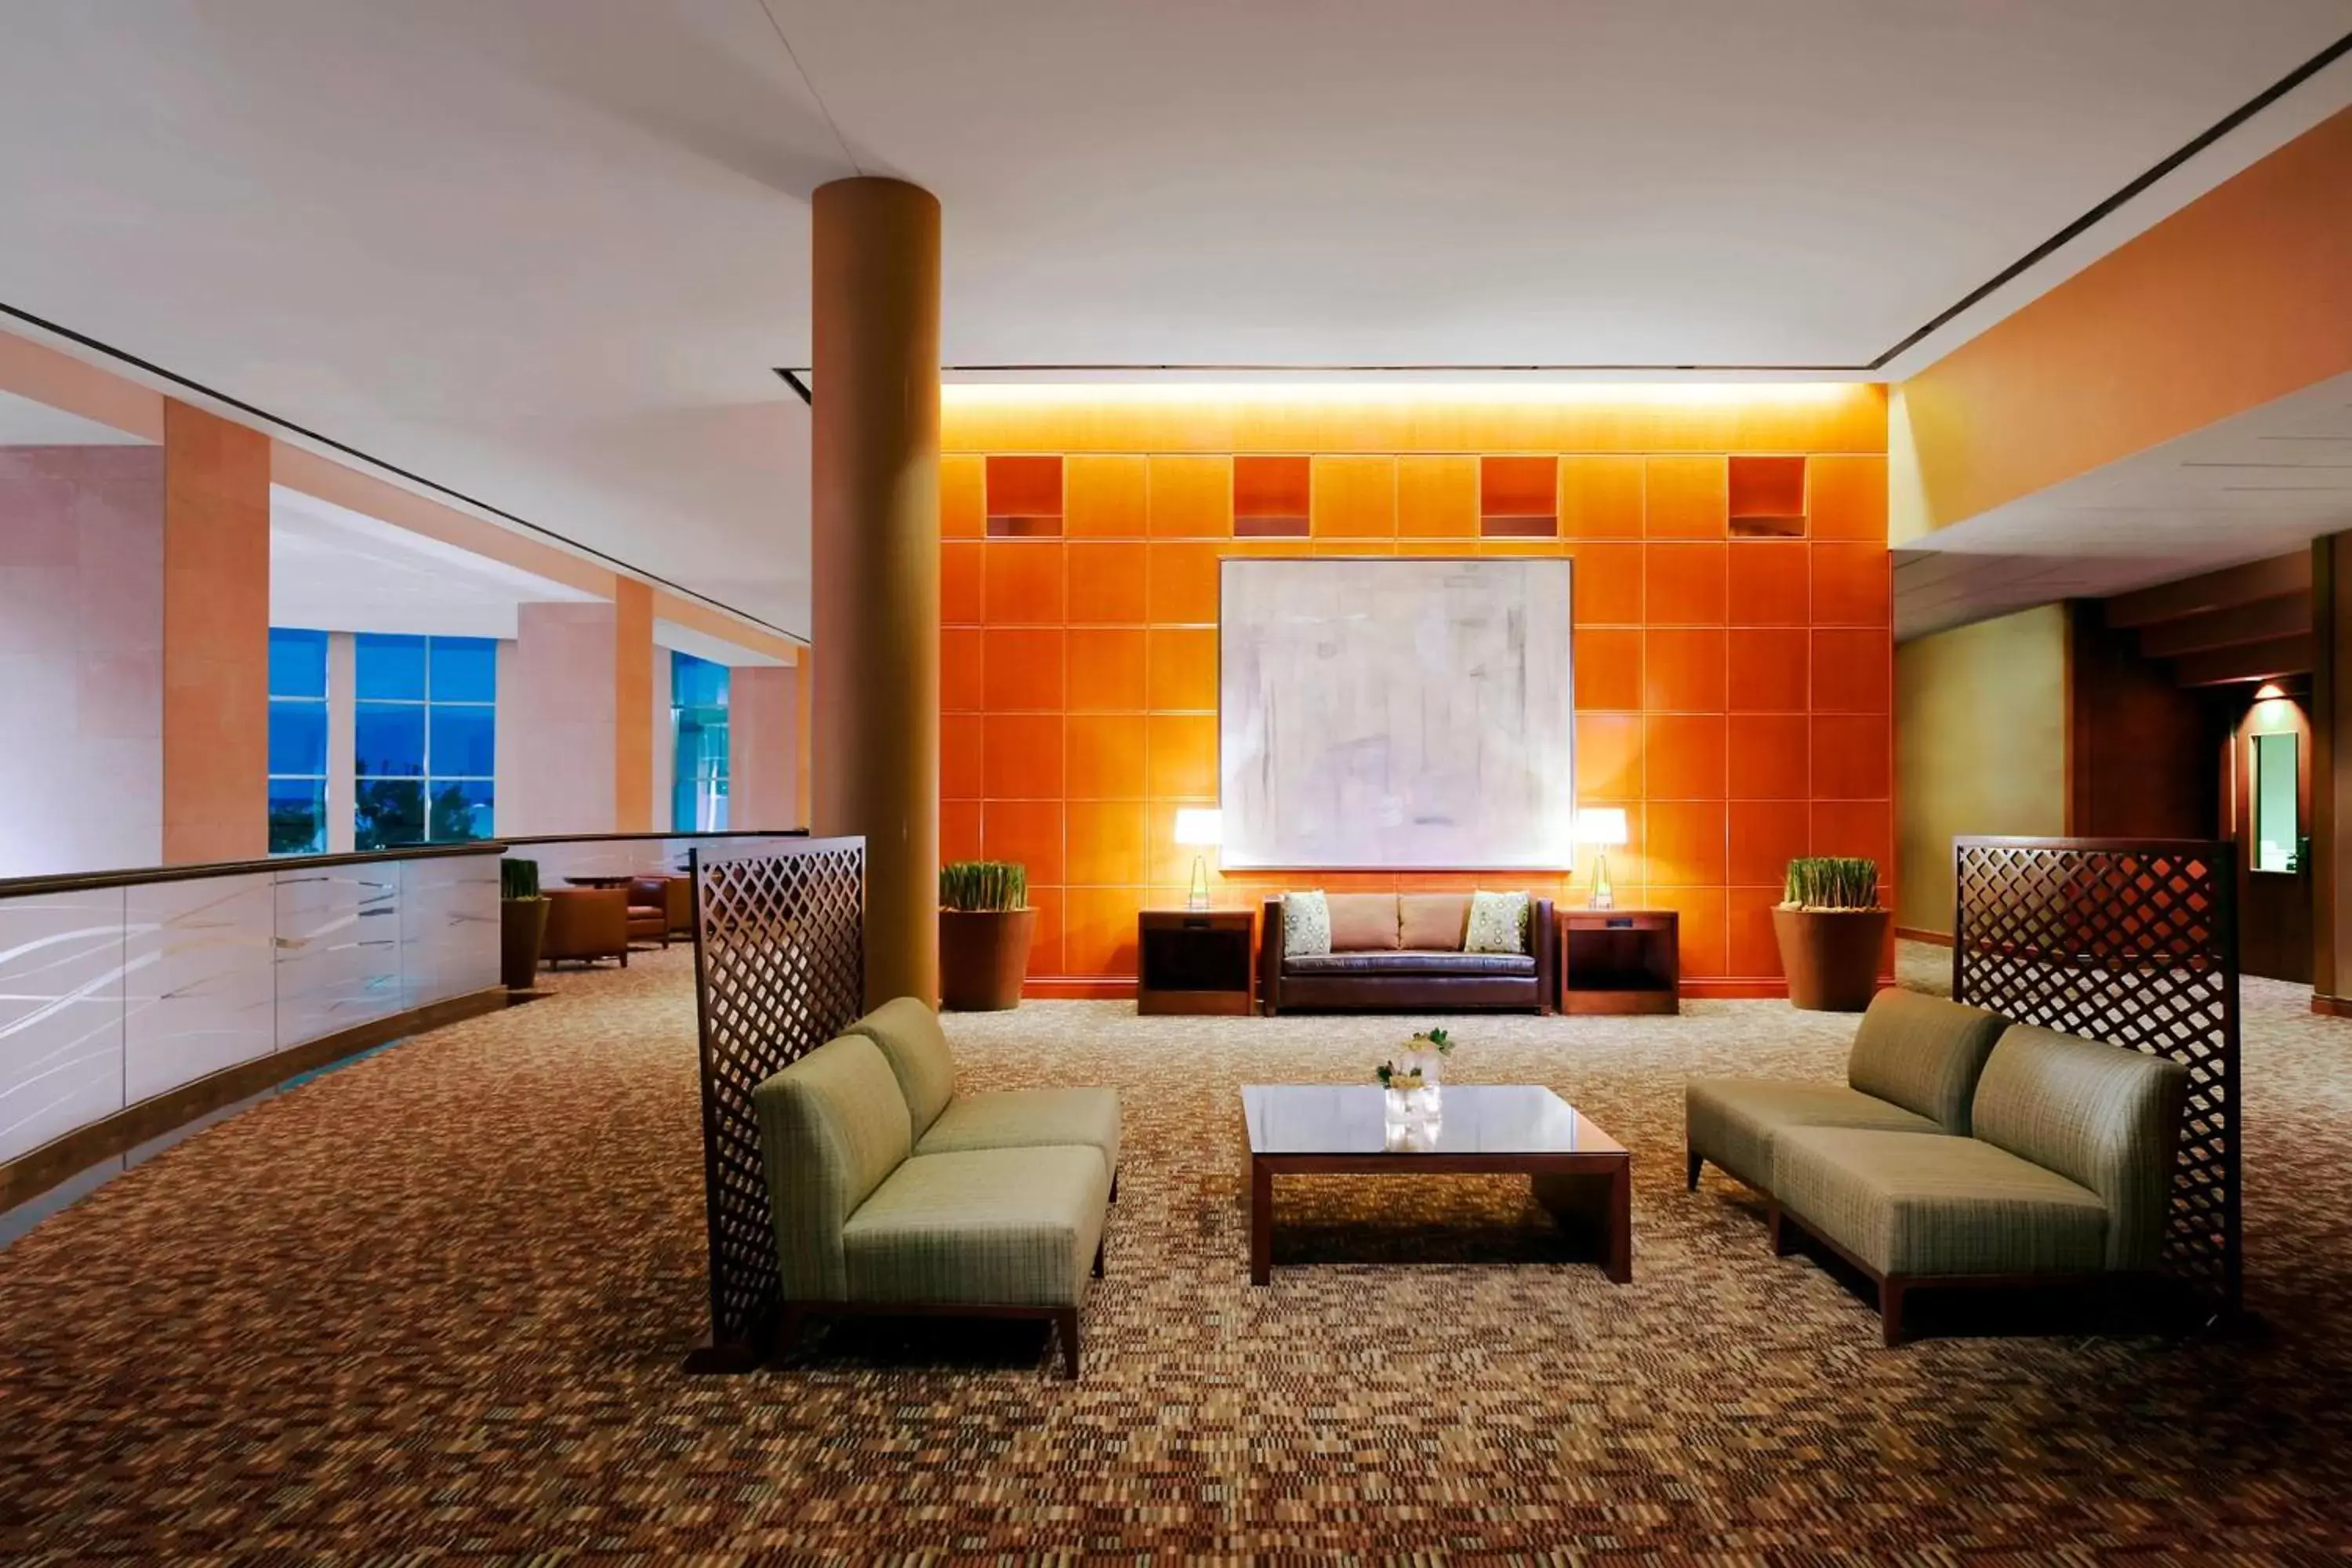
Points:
x=434, y=1303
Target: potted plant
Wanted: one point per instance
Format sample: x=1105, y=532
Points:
x=1831, y=933
x=985, y=923
x=522, y=923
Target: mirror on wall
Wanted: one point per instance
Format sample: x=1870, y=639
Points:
x=2278, y=826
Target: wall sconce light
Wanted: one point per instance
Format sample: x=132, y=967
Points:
x=1603, y=828
x=1202, y=827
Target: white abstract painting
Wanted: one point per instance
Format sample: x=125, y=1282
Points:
x=1397, y=714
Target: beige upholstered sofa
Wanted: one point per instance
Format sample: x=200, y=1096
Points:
x=1913, y=1069
x=894, y=1194
x=2058, y=1172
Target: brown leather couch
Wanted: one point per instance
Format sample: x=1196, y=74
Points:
x=1426, y=977
x=584, y=924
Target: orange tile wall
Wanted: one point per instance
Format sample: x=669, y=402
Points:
x=1733, y=695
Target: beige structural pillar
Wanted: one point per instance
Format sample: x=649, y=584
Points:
x=632, y=706
x=875, y=542
x=763, y=724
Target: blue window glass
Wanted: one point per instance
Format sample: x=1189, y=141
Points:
x=389, y=813
x=298, y=738
x=465, y=669
x=698, y=716
x=298, y=663
x=464, y=741
x=389, y=668
x=389, y=740
x=697, y=682
x=460, y=810
x=298, y=816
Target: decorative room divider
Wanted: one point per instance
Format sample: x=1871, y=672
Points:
x=778, y=969
x=2134, y=942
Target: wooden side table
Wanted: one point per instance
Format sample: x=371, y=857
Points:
x=1196, y=960
x=1620, y=960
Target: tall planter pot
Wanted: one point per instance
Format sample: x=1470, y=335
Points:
x=1830, y=956
x=983, y=954
x=522, y=927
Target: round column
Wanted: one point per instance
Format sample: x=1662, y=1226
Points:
x=874, y=598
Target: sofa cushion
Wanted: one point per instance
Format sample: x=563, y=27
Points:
x=1432, y=922
x=2100, y=1115
x=1001, y=1226
x=1498, y=923
x=1305, y=924
x=833, y=1126
x=1362, y=922
x=1028, y=1119
x=1923, y=1053
x=1913, y=1205
x=909, y=1035
x=1402, y=962
x=1731, y=1122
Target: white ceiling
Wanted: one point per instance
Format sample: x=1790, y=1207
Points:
x=25, y=423
x=2260, y=483
x=545, y=252
x=332, y=569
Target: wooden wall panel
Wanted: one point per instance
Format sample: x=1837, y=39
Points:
x=1093, y=718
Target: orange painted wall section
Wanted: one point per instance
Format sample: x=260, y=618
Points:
x=216, y=638
x=1733, y=695
x=2241, y=297
x=632, y=706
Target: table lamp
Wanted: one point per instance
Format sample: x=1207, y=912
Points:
x=1201, y=828
x=1603, y=828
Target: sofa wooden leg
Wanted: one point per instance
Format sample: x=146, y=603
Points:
x=1065, y=1324
x=1784, y=1234
x=625, y=961
x=1099, y=1247
x=1113, y=1186
x=1890, y=1312
x=1691, y=1161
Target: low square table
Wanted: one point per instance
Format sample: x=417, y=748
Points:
x=1313, y=1129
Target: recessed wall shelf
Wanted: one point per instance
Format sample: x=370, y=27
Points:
x=1025, y=497
x=1518, y=498
x=1768, y=498
x=1271, y=497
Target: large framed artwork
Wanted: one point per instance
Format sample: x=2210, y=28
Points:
x=1393, y=713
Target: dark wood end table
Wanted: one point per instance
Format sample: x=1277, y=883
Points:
x=1578, y=1171
x=1196, y=962
x=1620, y=960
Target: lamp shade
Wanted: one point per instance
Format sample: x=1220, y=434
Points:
x=1201, y=825
x=1602, y=827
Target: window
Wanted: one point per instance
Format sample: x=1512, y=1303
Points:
x=298, y=741
x=698, y=690
x=424, y=730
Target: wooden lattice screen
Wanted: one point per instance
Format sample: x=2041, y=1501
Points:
x=778, y=969
x=2134, y=943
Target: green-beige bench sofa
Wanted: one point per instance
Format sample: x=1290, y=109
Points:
x=893, y=1195
x=2045, y=1160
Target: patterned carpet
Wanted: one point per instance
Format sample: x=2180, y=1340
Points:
x=433, y=1305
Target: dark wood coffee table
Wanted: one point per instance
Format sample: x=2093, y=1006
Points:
x=1312, y=1129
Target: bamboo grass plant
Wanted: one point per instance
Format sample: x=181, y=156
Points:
x=990, y=886
x=1831, y=882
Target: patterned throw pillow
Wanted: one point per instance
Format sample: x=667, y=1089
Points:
x=1305, y=924
x=1498, y=923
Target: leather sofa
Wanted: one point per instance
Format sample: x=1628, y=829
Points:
x=893, y=1195
x=2003, y=1156
x=1416, y=973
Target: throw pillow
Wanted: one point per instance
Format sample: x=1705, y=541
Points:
x=1498, y=923
x=1305, y=924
